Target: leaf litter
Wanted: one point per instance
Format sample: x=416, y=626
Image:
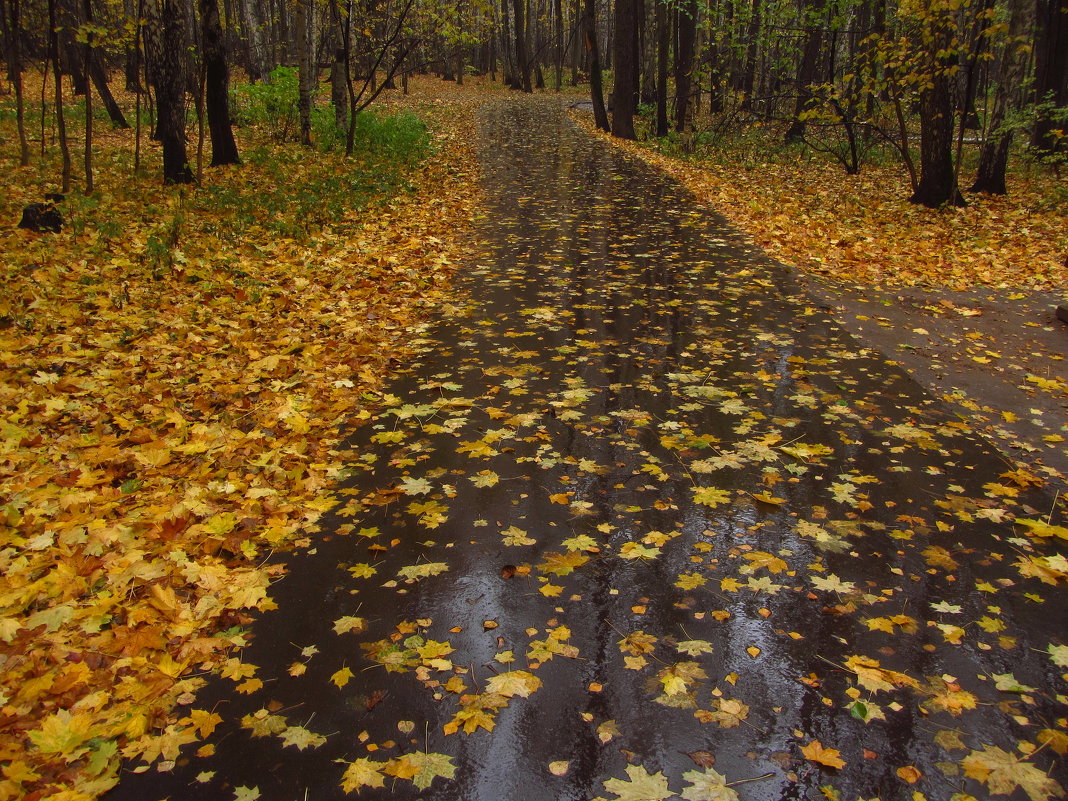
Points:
x=169, y=426
x=639, y=398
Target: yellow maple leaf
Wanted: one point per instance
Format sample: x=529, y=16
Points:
x=363, y=773
x=342, y=677
x=875, y=678
x=514, y=682
x=816, y=752
x=63, y=733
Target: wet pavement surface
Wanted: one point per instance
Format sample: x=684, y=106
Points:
x=642, y=522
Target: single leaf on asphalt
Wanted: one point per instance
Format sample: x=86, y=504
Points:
x=816, y=752
x=640, y=786
x=1002, y=773
x=710, y=496
x=343, y=625
x=707, y=785
x=514, y=682
x=342, y=677
x=421, y=571
x=421, y=767
x=362, y=773
x=875, y=678
x=301, y=738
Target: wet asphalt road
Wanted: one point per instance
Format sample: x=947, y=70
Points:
x=643, y=522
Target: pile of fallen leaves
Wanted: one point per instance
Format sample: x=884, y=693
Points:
x=860, y=228
x=172, y=410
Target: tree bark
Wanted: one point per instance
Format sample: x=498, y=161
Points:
x=339, y=90
x=625, y=69
x=808, y=67
x=684, y=61
x=87, y=8
x=99, y=79
x=558, y=43
x=752, y=37
x=522, y=60
x=131, y=62
x=14, y=69
x=257, y=62
x=1051, y=72
x=589, y=20
x=217, y=86
x=1009, y=73
x=663, y=44
x=165, y=37
x=938, y=180
x=306, y=70
x=61, y=122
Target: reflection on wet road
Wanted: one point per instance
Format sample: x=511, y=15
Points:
x=643, y=523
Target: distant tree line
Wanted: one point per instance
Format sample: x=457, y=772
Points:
x=927, y=78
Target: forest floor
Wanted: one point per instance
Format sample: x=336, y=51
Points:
x=175, y=394
x=640, y=521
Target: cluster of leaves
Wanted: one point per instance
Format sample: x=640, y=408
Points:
x=174, y=396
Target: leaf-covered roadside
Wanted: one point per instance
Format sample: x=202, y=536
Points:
x=860, y=229
x=962, y=298
x=167, y=424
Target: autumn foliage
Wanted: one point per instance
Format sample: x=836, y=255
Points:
x=174, y=396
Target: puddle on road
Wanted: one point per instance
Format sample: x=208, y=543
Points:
x=642, y=522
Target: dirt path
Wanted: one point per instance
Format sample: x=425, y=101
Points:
x=644, y=521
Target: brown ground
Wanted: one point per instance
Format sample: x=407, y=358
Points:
x=994, y=355
x=965, y=299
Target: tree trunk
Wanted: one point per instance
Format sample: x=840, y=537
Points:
x=752, y=37
x=217, y=86
x=87, y=7
x=165, y=37
x=938, y=184
x=306, y=70
x=684, y=61
x=808, y=67
x=522, y=61
x=14, y=69
x=663, y=43
x=1010, y=70
x=339, y=91
x=589, y=19
x=625, y=69
x=558, y=37
x=131, y=64
x=99, y=79
x=61, y=121
x=256, y=63
x=1051, y=72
